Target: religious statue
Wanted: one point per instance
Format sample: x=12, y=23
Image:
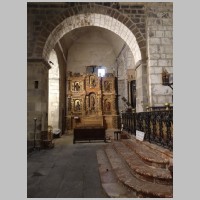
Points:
x=107, y=106
x=107, y=86
x=92, y=81
x=92, y=103
x=77, y=86
x=77, y=106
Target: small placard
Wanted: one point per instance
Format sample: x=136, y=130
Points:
x=140, y=135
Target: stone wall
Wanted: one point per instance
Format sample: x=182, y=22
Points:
x=125, y=62
x=137, y=14
x=39, y=14
x=44, y=17
x=141, y=88
x=37, y=98
x=160, y=50
x=62, y=62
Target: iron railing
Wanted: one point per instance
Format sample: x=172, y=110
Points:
x=157, y=126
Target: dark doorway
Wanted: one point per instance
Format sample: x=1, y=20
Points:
x=133, y=93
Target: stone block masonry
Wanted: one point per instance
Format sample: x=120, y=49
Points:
x=160, y=50
x=37, y=97
x=43, y=18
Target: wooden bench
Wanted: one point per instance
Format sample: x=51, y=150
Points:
x=89, y=133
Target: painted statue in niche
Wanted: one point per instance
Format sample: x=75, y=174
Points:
x=77, y=106
x=107, y=106
x=92, y=102
x=76, y=86
x=107, y=86
x=92, y=81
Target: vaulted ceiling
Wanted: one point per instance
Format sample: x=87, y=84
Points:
x=113, y=39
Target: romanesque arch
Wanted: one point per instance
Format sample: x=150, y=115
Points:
x=93, y=15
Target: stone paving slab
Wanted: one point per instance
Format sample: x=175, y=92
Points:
x=66, y=171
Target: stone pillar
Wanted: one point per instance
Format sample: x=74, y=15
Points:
x=54, y=102
x=141, y=88
x=37, y=96
x=121, y=85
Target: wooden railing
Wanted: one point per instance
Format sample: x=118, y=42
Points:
x=157, y=126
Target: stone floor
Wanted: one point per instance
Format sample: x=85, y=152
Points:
x=66, y=171
x=117, y=169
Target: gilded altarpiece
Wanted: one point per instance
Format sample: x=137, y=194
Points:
x=109, y=97
x=91, y=101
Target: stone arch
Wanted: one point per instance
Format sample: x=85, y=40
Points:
x=91, y=15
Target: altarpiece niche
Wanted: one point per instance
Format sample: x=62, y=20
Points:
x=91, y=100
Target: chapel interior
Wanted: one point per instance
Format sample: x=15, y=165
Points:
x=104, y=71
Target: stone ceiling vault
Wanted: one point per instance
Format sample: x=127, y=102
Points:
x=113, y=39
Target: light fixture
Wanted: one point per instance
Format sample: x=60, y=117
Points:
x=167, y=79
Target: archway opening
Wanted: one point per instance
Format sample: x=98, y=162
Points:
x=92, y=48
x=80, y=44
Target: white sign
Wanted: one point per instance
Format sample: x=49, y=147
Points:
x=140, y=135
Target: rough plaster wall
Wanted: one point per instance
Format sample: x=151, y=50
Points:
x=160, y=50
x=53, y=109
x=90, y=49
x=37, y=98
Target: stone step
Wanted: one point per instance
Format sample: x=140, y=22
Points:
x=140, y=169
x=163, y=152
x=147, y=154
x=112, y=187
x=141, y=187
